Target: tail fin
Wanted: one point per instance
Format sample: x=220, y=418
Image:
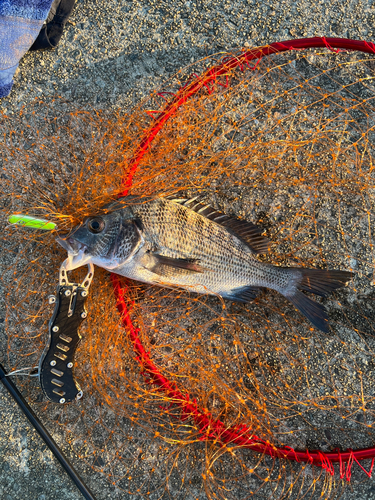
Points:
x=320, y=282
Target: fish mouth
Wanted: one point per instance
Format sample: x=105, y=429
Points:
x=77, y=255
x=71, y=245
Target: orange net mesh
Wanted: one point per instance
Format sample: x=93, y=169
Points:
x=286, y=144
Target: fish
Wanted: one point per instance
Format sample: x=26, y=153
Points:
x=183, y=243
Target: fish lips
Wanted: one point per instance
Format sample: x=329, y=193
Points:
x=77, y=255
x=71, y=245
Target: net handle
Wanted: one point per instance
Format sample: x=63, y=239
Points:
x=210, y=428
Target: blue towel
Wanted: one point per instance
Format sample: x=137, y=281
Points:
x=20, y=24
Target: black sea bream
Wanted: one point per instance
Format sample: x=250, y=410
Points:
x=185, y=244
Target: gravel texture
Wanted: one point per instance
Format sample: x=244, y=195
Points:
x=111, y=54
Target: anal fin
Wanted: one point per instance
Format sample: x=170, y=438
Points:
x=243, y=294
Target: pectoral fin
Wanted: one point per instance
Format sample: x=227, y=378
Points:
x=159, y=264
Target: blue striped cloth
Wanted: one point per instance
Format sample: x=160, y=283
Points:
x=20, y=24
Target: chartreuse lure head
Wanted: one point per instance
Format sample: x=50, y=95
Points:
x=31, y=222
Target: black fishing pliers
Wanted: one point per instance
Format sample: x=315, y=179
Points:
x=56, y=365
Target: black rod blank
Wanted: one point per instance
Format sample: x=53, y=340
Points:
x=42, y=431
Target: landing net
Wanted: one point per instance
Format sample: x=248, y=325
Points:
x=192, y=396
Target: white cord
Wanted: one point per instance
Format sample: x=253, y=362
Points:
x=30, y=368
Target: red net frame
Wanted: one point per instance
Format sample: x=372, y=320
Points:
x=211, y=428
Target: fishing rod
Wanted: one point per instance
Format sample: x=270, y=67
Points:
x=45, y=435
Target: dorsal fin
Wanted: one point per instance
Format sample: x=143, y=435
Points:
x=201, y=209
x=249, y=233
x=246, y=231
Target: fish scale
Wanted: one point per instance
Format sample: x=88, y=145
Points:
x=229, y=263
x=188, y=236
x=189, y=245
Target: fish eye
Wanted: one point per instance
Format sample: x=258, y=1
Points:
x=95, y=225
